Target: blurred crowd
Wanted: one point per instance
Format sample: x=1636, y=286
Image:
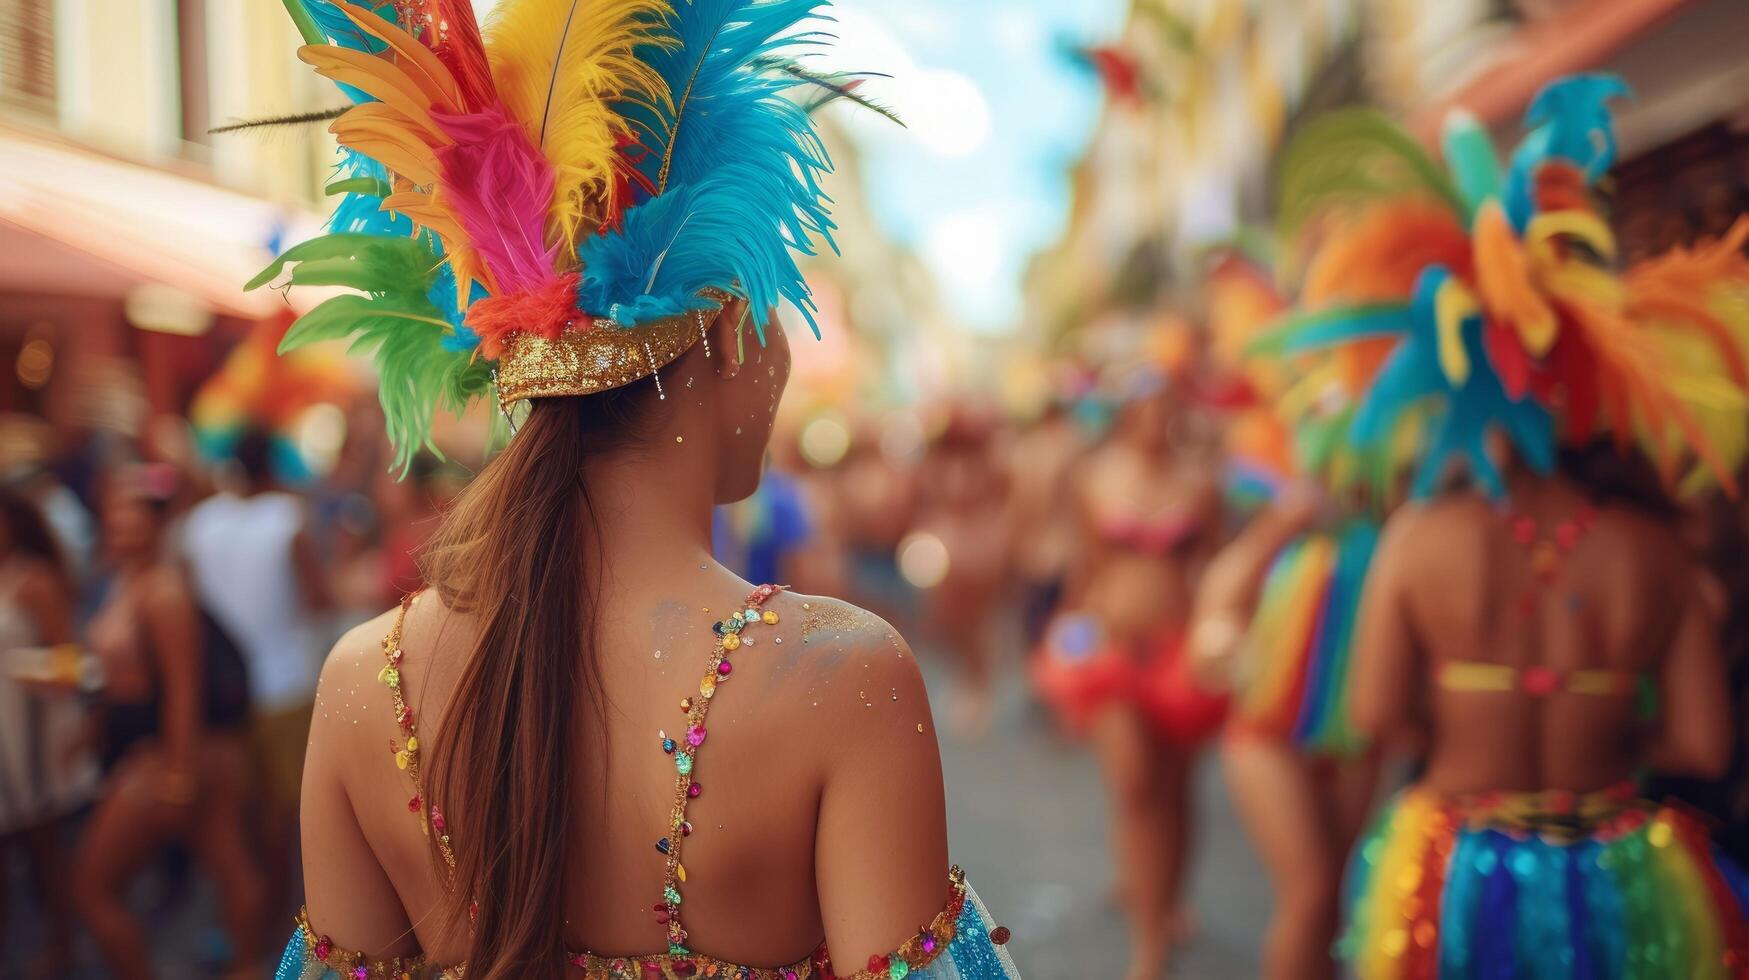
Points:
x=163, y=617
x=164, y=612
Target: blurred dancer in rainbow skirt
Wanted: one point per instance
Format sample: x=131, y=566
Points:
x=1532, y=619
x=1275, y=612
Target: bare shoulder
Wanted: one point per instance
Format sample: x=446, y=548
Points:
x=165, y=584
x=1453, y=523
x=38, y=580
x=353, y=706
x=849, y=671
x=1649, y=545
x=1640, y=529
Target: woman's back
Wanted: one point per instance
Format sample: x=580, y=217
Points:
x=1539, y=636
x=826, y=689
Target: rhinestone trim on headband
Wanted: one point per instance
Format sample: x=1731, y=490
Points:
x=598, y=357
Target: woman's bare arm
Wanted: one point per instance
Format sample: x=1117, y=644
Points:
x=1387, y=660
x=173, y=639
x=44, y=595
x=881, y=839
x=1694, y=734
x=349, y=896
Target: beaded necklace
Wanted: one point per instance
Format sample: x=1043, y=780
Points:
x=1548, y=551
x=732, y=635
x=679, y=963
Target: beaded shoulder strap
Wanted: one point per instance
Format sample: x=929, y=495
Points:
x=732, y=634
x=406, y=750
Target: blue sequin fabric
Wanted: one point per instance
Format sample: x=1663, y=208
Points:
x=1598, y=886
x=973, y=953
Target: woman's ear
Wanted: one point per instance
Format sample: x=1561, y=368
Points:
x=726, y=337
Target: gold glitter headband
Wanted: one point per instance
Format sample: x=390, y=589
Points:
x=599, y=357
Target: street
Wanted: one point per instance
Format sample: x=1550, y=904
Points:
x=1027, y=820
x=1026, y=815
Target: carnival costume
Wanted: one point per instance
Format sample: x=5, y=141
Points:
x=1290, y=684
x=1295, y=678
x=1470, y=300
x=1079, y=669
x=555, y=205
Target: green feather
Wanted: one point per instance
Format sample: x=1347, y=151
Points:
x=833, y=86
x=1349, y=157
x=343, y=316
x=370, y=263
x=1325, y=328
x=394, y=321
x=306, y=24
x=368, y=186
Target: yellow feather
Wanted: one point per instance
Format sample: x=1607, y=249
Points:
x=559, y=65
x=1582, y=225
x=426, y=214
x=1452, y=305
x=417, y=60
x=380, y=132
x=376, y=76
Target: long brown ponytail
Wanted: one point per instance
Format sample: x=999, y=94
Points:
x=516, y=552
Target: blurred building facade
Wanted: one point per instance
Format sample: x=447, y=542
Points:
x=1185, y=151
x=127, y=228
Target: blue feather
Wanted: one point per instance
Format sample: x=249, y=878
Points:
x=736, y=164
x=1460, y=416
x=363, y=212
x=1568, y=120
x=444, y=295
x=341, y=31
x=719, y=233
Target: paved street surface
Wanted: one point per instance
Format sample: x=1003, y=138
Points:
x=1028, y=821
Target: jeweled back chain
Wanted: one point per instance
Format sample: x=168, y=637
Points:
x=731, y=636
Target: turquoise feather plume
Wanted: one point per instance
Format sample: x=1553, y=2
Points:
x=735, y=166
x=1469, y=154
x=1568, y=120
x=337, y=29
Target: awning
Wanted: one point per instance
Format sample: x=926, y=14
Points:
x=1580, y=37
x=76, y=222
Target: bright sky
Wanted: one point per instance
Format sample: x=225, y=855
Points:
x=995, y=115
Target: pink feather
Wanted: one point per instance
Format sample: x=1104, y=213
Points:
x=499, y=188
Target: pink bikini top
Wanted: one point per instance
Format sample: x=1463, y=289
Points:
x=1159, y=536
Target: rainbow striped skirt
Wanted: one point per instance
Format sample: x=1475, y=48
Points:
x=1295, y=683
x=1542, y=885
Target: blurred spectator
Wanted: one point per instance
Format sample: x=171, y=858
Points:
x=1042, y=511
x=255, y=570
x=409, y=507
x=758, y=536
x=43, y=775
x=959, y=555
x=877, y=496
x=175, y=702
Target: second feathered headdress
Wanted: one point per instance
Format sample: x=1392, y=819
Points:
x=1458, y=301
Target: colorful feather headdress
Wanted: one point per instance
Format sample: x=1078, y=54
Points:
x=556, y=202
x=1454, y=302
